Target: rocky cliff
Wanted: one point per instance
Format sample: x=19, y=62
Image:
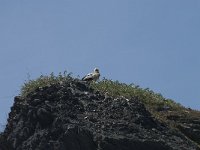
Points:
x=72, y=116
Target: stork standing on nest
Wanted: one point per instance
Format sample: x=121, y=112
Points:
x=94, y=76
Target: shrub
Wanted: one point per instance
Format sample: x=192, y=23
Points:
x=153, y=101
x=148, y=97
x=31, y=85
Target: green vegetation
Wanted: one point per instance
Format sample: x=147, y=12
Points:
x=155, y=103
x=147, y=96
x=43, y=81
x=165, y=110
x=161, y=108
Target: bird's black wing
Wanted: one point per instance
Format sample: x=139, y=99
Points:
x=88, y=77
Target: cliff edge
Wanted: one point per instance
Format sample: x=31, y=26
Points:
x=71, y=115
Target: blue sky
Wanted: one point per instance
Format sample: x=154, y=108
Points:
x=154, y=44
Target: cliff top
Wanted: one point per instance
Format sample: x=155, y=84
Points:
x=61, y=112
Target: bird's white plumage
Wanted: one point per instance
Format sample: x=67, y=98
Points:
x=94, y=76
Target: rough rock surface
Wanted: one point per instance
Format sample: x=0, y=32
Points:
x=189, y=125
x=71, y=116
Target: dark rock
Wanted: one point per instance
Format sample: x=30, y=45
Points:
x=76, y=138
x=71, y=116
x=190, y=131
x=36, y=102
x=127, y=144
x=45, y=117
x=189, y=126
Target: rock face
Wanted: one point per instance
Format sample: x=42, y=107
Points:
x=188, y=125
x=71, y=116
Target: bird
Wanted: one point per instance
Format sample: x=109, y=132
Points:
x=94, y=76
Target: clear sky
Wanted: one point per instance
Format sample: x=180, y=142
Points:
x=154, y=44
